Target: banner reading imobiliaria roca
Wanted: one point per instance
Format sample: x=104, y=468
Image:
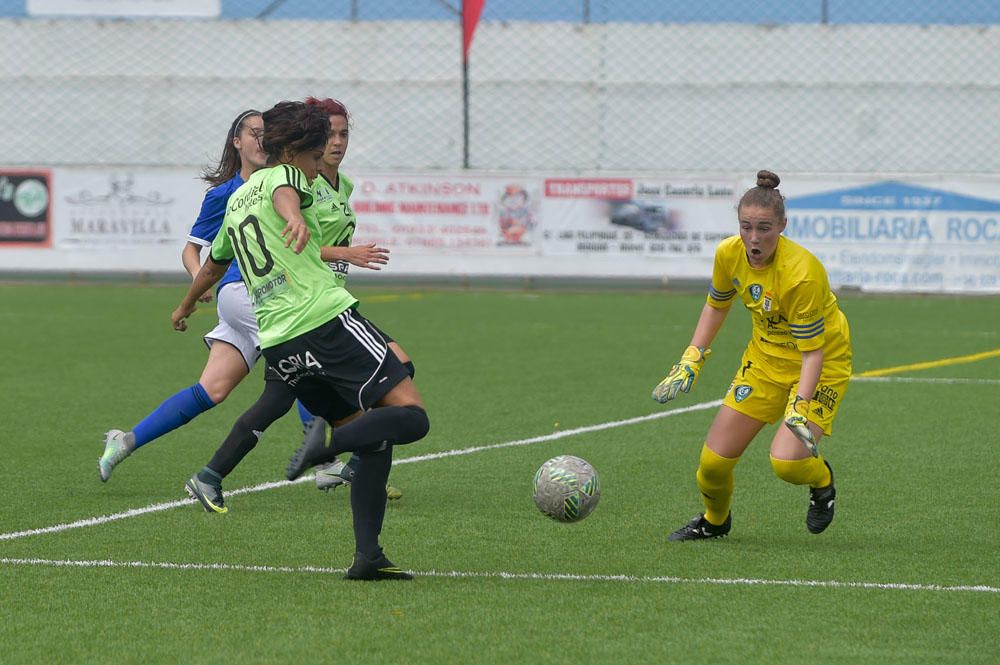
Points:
x=916, y=234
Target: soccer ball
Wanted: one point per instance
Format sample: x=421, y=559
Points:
x=567, y=488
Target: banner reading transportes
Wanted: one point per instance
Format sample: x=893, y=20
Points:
x=654, y=218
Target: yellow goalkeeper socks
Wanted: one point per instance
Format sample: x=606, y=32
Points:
x=716, y=482
x=809, y=471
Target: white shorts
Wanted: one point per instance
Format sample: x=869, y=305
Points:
x=237, y=323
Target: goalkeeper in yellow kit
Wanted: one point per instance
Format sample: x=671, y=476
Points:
x=796, y=366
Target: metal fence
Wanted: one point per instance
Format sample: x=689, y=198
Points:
x=576, y=85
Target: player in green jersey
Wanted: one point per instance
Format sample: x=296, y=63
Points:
x=336, y=221
x=795, y=368
x=337, y=224
x=336, y=362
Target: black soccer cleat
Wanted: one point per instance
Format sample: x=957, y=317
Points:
x=313, y=450
x=210, y=496
x=701, y=529
x=379, y=568
x=821, y=502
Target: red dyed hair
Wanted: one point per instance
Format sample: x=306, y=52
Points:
x=331, y=106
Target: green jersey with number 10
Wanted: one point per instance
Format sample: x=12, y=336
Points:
x=291, y=293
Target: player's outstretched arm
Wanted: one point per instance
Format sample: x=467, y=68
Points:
x=366, y=255
x=797, y=420
x=209, y=274
x=286, y=203
x=191, y=258
x=684, y=373
x=797, y=412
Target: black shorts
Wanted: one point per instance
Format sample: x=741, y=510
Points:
x=342, y=367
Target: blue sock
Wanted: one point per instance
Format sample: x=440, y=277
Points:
x=304, y=414
x=174, y=412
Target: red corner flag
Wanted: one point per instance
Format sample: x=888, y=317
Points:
x=471, y=11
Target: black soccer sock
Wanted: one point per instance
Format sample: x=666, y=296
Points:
x=380, y=427
x=368, y=500
x=206, y=475
x=273, y=403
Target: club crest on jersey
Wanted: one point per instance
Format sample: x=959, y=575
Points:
x=740, y=393
x=769, y=301
x=755, y=291
x=736, y=282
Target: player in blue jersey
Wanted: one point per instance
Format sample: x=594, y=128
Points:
x=335, y=361
x=336, y=222
x=795, y=368
x=233, y=346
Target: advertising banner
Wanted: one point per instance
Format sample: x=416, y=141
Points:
x=25, y=198
x=97, y=219
x=932, y=235
x=447, y=214
x=586, y=226
x=921, y=234
x=653, y=217
x=127, y=209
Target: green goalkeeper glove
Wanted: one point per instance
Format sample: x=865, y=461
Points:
x=682, y=375
x=797, y=420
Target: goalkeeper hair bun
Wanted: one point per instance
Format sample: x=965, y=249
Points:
x=768, y=179
x=764, y=195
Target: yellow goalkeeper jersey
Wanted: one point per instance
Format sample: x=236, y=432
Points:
x=790, y=302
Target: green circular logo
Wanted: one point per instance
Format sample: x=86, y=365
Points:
x=31, y=197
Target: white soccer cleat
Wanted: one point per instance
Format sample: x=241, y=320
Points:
x=333, y=475
x=115, y=450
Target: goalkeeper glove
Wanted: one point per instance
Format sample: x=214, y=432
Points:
x=682, y=375
x=797, y=420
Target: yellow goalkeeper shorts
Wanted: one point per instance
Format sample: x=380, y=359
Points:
x=761, y=392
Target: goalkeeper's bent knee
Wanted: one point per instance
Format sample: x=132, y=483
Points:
x=808, y=471
x=713, y=468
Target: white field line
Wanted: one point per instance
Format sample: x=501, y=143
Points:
x=169, y=505
x=561, y=577
x=913, y=379
x=135, y=512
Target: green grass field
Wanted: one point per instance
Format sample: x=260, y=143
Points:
x=909, y=572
